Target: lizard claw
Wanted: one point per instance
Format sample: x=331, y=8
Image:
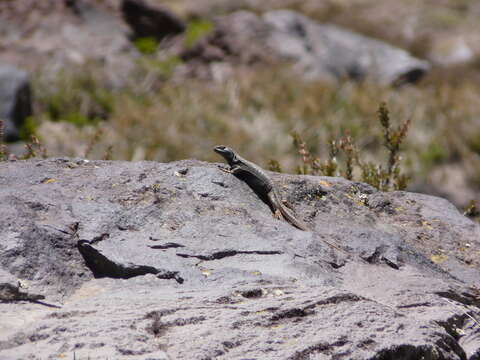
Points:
x=228, y=171
x=277, y=214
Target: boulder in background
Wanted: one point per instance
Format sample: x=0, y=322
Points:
x=323, y=50
x=148, y=20
x=15, y=99
x=318, y=51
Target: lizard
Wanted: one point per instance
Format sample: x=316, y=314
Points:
x=263, y=186
x=260, y=182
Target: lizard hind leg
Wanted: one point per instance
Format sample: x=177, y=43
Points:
x=287, y=204
x=277, y=213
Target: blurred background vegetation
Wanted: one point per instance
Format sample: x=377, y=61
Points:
x=160, y=116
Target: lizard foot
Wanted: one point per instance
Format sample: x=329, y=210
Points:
x=287, y=204
x=277, y=215
x=228, y=171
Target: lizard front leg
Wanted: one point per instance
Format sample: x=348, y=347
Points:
x=233, y=170
x=228, y=171
x=287, y=204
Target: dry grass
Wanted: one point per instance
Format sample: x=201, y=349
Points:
x=256, y=111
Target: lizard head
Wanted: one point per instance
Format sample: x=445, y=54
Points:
x=227, y=153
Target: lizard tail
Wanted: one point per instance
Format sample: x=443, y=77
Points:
x=288, y=215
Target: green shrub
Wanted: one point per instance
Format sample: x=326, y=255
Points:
x=197, y=29
x=383, y=177
x=146, y=45
x=78, y=119
x=163, y=68
x=434, y=154
x=473, y=142
x=3, y=146
x=76, y=96
x=28, y=128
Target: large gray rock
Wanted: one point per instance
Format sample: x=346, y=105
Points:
x=183, y=261
x=64, y=35
x=15, y=99
x=318, y=51
x=322, y=50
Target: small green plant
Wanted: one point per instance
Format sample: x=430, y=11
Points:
x=434, y=154
x=166, y=67
x=76, y=97
x=146, y=45
x=28, y=128
x=348, y=147
x=393, y=138
x=161, y=69
x=93, y=141
x=78, y=119
x=3, y=146
x=386, y=179
x=108, y=153
x=474, y=142
x=196, y=29
x=301, y=146
x=274, y=165
x=472, y=211
x=312, y=165
x=34, y=148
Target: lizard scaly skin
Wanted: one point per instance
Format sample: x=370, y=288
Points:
x=258, y=180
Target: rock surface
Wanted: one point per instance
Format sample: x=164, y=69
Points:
x=182, y=261
x=15, y=100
